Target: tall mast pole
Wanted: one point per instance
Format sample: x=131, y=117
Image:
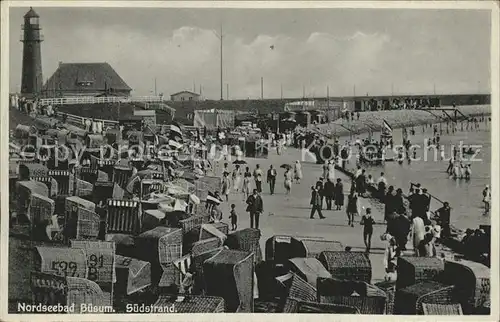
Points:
x=221, y=68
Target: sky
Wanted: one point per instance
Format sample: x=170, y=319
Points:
x=296, y=51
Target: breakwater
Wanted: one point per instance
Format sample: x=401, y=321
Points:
x=372, y=121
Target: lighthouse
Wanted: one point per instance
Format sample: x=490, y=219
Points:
x=32, y=79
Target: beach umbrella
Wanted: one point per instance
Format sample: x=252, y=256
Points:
x=286, y=166
x=239, y=162
x=194, y=199
x=212, y=199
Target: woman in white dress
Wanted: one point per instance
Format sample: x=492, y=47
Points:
x=331, y=171
x=288, y=181
x=226, y=185
x=298, y=171
x=246, y=184
x=236, y=176
x=325, y=170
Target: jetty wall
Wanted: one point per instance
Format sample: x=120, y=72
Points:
x=372, y=121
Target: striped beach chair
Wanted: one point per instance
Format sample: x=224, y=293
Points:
x=63, y=181
x=88, y=174
x=121, y=176
x=122, y=217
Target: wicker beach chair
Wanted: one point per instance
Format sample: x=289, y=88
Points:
x=41, y=208
x=122, y=217
x=50, y=182
x=206, y=231
x=121, y=175
x=48, y=289
x=368, y=299
x=314, y=247
x=83, y=291
x=309, y=269
x=296, y=306
x=409, y=299
x=196, y=265
x=192, y=222
x=151, y=218
x=191, y=303
x=102, y=191
x=247, y=240
x=472, y=282
x=61, y=261
x=100, y=260
x=83, y=188
x=389, y=287
x=206, y=245
x=63, y=178
x=441, y=309
x=24, y=191
x=88, y=174
x=347, y=265
x=412, y=270
x=132, y=275
x=163, y=246
x=29, y=170
x=235, y=268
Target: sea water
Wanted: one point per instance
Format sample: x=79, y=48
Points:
x=465, y=196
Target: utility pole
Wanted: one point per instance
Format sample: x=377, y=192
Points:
x=281, y=91
x=303, y=92
x=194, y=87
x=227, y=91
x=221, y=66
x=262, y=87
x=392, y=89
x=155, y=86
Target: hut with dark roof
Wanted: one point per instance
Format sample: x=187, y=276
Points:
x=86, y=79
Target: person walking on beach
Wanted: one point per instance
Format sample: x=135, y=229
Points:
x=368, y=222
x=236, y=177
x=257, y=174
x=352, y=207
x=225, y=185
x=325, y=170
x=444, y=214
x=255, y=207
x=418, y=232
x=361, y=183
x=288, y=181
x=316, y=203
x=271, y=178
x=246, y=183
x=329, y=192
x=486, y=199
x=298, y=171
x=339, y=195
x=389, y=203
x=234, y=217
x=451, y=164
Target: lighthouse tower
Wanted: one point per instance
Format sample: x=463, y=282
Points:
x=31, y=82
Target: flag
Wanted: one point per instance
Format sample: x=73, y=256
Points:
x=387, y=129
x=175, y=138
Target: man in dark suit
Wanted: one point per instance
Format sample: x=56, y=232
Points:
x=316, y=203
x=271, y=178
x=255, y=208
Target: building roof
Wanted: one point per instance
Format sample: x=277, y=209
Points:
x=182, y=92
x=86, y=76
x=31, y=14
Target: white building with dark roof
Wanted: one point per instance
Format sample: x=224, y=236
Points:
x=185, y=96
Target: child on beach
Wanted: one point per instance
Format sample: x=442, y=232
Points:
x=368, y=222
x=234, y=217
